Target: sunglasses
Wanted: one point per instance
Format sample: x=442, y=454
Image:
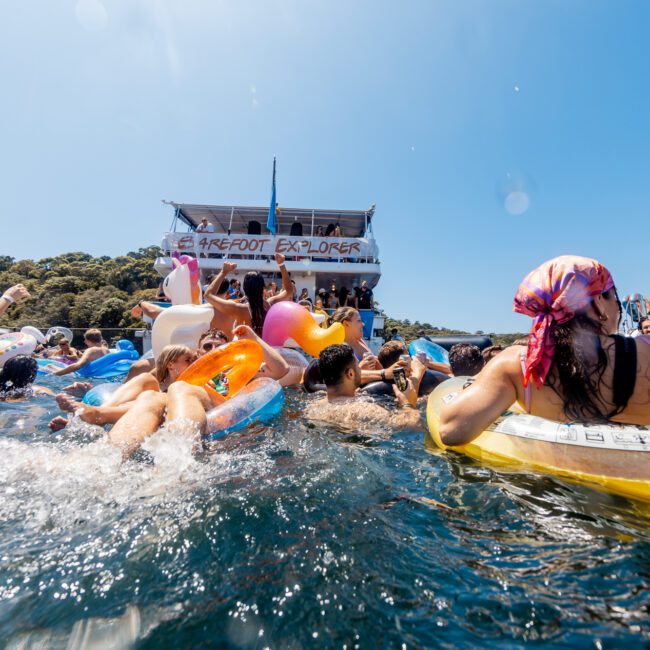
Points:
x=207, y=346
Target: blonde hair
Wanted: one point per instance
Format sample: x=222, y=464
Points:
x=343, y=314
x=168, y=354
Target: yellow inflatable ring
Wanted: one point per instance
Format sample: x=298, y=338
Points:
x=612, y=457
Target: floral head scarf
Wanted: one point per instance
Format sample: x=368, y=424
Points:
x=552, y=294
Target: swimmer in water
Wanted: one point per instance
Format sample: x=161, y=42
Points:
x=17, y=378
x=341, y=374
x=575, y=367
x=95, y=350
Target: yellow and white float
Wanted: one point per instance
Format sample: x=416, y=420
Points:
x=613, y=457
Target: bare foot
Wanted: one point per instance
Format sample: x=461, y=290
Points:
x=79, y=388
x=68, y=403
x=57, y=423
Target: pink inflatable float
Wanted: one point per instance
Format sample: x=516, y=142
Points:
x=287, y=320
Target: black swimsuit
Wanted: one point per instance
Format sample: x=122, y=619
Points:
x=624, y=371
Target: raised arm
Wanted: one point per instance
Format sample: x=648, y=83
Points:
x=480, y=404
x=286, y=293
x=230, y=308
x=274, y=364
x=9, y=297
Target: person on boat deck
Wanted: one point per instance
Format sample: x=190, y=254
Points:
x=94, y=350
x=341, y=374
x=233, y=290
x=365, y=297
x=644, y=325
x=11, y=295
x=465, y=360
x=205, y=226
x=575, y=367
x=254, y=311
x=142, y=393
x=304, y=295
x=353, y=325
x=318, y=309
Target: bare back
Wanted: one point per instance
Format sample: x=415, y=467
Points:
x=546, y=403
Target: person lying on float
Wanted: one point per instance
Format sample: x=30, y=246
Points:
x=94, y=350
x=575, y=367
x=168, y=368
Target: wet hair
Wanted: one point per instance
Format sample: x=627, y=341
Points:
x=333, y=361
x=18, y=374
x=213, y=334
x=94, y=336
x=579, y=364
x=168, y=354
x=465, y=359
x=643, y=320
x=254, y=292
x=490, y=352
x=305, y=303
x=223, y=287
x=343, y=314
x=390, y=352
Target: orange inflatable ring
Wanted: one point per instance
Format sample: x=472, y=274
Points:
x=240, y=360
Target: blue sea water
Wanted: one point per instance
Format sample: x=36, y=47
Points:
x=296, y=535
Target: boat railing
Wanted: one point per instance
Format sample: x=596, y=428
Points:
x=241, y=246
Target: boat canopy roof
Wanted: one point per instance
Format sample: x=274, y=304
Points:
x=236, y=218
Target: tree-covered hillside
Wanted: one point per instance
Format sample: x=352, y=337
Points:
x=79, y=290
x=409, y=331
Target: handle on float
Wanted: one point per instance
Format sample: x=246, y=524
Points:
x=241, y=361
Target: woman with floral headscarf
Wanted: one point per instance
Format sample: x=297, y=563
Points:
x=575, y=367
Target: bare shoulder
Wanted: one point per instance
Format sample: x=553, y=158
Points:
x=505, y=364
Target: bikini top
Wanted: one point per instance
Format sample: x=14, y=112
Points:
x=624, y=373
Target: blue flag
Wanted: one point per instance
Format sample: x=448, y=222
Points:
x=270, y=222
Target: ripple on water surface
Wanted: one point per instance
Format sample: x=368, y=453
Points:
x=296, y=535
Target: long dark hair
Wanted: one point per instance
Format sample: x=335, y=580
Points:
x=579, y=364
x=254, y=291
x=343, y=297
x=18, y=374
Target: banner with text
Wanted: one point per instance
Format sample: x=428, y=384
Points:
x=213, y=243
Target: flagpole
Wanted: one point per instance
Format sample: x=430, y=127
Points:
x=270, y=222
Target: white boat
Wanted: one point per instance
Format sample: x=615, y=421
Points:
x=314, y=262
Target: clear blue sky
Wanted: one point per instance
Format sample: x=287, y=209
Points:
x=452, y=116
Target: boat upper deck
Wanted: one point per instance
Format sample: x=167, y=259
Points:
x=239, y=233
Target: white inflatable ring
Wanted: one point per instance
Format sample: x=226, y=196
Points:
x=15, y=343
